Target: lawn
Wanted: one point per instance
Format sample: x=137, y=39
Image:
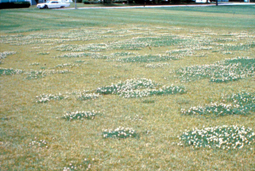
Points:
x=128, y=89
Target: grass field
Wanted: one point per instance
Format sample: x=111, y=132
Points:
x=128, y=89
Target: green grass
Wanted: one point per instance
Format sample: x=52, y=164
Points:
x=37, y=20
x=47, y=113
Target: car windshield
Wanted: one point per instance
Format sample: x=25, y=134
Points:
x=48, y=1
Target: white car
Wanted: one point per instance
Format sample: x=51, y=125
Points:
x=53, y=4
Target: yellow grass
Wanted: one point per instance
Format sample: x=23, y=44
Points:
x=158, y=123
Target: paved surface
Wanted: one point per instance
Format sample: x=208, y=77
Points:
x=161, y=6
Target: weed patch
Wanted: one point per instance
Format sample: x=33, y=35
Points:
x=223, y=71
x=238, y=104
x=219, y=137
x=135, y=88
x=129, y=84
x=80, y=115
x=35, y=74
x=39, y=143
x=84, y=165
x=88, y=96
x=165, y=90
x=44, y=98
x=10, y=71
x=5, y=54
x=148, y=58
x=119, y=133
x=74, y=55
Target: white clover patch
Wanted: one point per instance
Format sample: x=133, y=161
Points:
x=88, y=96
x=34, y=63
x=238, y=47
x=130, y=84
x=39, y=143
x=81, y=61
x=74, y=55
x=219, y=137
x=237, y=104
x=80, y=115
x=86, y=47
x=216, y=109
x=159, y=65
x=143, y=87
x=44, y=98
x=10, y=71
x=5, y=54
x=120, y=132
x=242, y=98
x=66, y=65
x=222, y=71
x=148, y=58
x=149, y=92
x=135, y=93
x=43, y=53
x=86, y=164
x=35, y=74
x=123, y=54
x=137, y=43
x=78, y=95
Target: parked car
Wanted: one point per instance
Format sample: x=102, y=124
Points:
x=53, y=4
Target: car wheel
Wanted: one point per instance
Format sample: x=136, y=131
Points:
x=62, y=7
x=46, y=6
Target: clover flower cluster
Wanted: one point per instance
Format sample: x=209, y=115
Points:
x=65, y=65
x=216, y=109
x=241, y=98
x=221, y=137
x=131, y=44
x=80, y=61
x=85, y=165
x=35, y=74
x=135, y=88
x=227, y=52
x=130, y=84
x=222, y=71
x=149, y=92
x=137, y=43
x=169, y=90
x=44, y=98
x=180, y=53
x=123, y=54
x=119, y=132
x=74, y=55
x=135, y=93
x=43, y=53
x=35, y=63
x=88, y=96
x=80, y=115
x=80, y=48
x=99, y=56
x=244, y=100
x=238, y=47
x=148, y=58
x=240, y=104
x=51, y=38
x=10, y=71
x=159, y=65
x=5, y=54
x=38, y=143
x=60, y=71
